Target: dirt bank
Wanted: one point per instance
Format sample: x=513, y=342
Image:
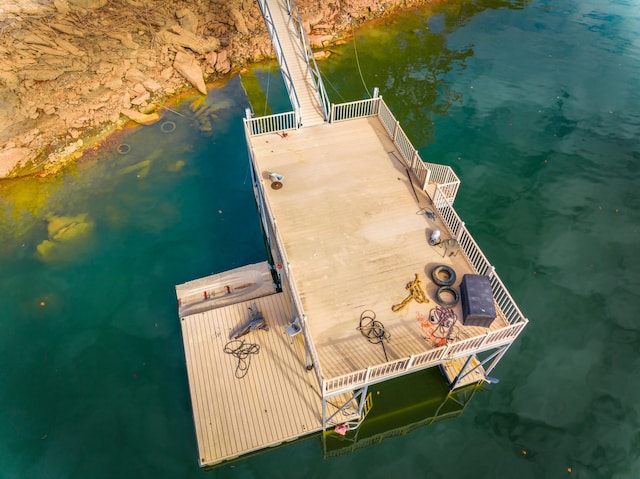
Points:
x=71, y=70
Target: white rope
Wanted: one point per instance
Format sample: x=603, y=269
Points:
x=326, y=80
x=355, y=49
x=266, y=99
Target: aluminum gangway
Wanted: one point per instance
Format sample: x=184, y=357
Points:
x=299, y=70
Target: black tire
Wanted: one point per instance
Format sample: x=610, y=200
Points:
x=449, y=272
x=451, y=291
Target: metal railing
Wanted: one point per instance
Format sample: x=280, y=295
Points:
x=392, y=369
x=355, y=109
x=476, y=258
x=309, y=57
x=386, y=371
x=277, y=46
x=423, y=171
x=272, y=123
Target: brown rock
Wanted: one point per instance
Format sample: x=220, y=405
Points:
x=139, y=88
x=126, y=100
x=124, y=38
x=239, y=21
x=140, y=99
x=152, y=85
x=142, y=118
x=188, y=20
x=11, y=158
x=67, y=28
x=135, y=75
x=40, y=74
x=70, y=47
x=187, y=65
x=87, y=4
x=62, y=6
x=178, y=36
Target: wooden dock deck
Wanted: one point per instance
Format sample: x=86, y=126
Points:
x=276, y=401
x=355, y=236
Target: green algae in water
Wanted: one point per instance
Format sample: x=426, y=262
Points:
x=67, y=235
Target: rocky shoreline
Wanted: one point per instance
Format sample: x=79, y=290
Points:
x=71, y=70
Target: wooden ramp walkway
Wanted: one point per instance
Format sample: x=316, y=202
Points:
x=221, y=289
x=276, y=401
x=310, y=107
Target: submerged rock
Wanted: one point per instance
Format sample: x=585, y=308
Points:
x=65, y=234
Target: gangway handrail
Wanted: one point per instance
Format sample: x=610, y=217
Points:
x=310, y=58
x=284, y=67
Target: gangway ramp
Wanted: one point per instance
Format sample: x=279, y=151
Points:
x=296, y=61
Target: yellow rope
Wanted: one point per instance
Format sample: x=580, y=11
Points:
x=415, y=293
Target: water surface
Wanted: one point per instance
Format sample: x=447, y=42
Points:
x=535, y=106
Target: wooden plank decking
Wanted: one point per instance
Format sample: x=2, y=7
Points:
x=277, y=400
x=349, y=220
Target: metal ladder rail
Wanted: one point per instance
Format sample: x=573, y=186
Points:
x=277, y=46
x=311, y=61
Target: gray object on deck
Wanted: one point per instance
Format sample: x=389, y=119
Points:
x=256, y=321
x=478, y=308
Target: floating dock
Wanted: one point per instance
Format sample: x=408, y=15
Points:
x=356, y=223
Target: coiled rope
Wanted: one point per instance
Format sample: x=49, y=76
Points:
x=373, y=330
x=416, y=293
x=242, y=351
x=441, y=325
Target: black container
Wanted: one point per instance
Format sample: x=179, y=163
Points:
x=478, y=307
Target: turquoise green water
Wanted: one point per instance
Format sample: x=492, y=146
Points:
x=534, y=104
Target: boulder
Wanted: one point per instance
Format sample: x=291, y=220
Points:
x=67, y=28
x=62, y=6
x=239, y=21
x=142, y=118
x=187, y=65
x=188, y=20
x=140, y=99
x=223, y=65
x=124, y=38
x=87, y=4
x=178, y=36
x=11, y=158
x=135, y=75
x=152, y=85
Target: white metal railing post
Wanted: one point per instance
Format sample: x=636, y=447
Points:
x=460, y=230
x=426, y=179
x=395, y=131
x=410, y=362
